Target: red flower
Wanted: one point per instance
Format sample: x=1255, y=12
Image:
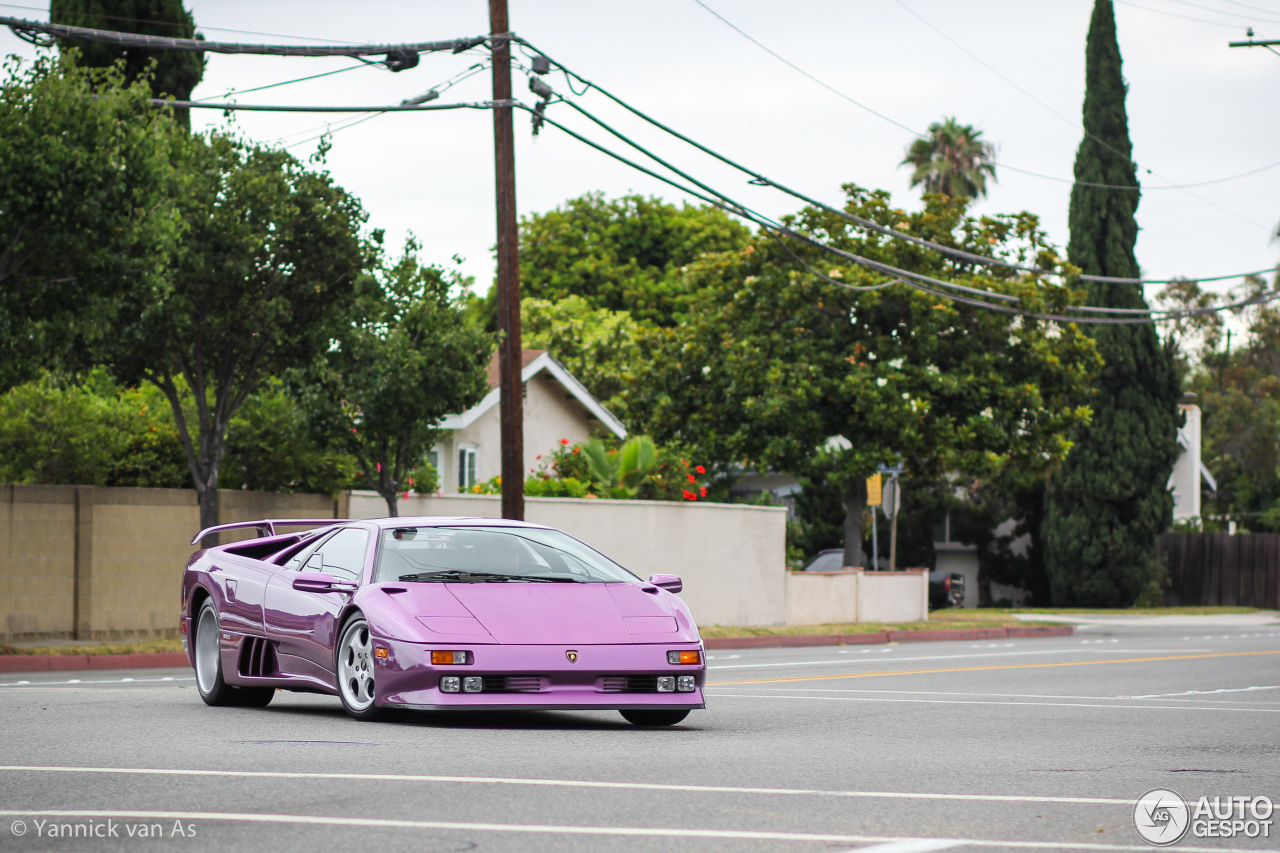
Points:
x=564, y=441
x=410, y=483
x=703, y=491
x=700, y=470
x=692, y=479
x=689, y=496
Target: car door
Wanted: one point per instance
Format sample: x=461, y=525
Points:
x=304, y=624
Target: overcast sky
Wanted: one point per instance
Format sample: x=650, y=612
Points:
x=1198, y=110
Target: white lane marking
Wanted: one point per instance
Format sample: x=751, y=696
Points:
x=914, y=845
x=723, y=657
x=930, y=692
x=1208, y=692
x=632, y=831
x=867, y=651
x=1139, y=651
x=95, y=681
x=898, y=660
x=568, y=783
x=1144, y=708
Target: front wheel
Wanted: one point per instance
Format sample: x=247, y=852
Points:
x=355, y=670
x=655, y=717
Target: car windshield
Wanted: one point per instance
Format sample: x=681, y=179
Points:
x=491, y=554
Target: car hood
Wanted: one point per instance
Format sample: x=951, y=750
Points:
x=541, y=613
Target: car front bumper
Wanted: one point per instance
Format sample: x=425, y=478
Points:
x=603, y=677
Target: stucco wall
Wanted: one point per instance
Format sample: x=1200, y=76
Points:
x=100, y=563
x=821, y=598
x=731, y=556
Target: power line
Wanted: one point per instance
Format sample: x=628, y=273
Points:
x=231, y=92
x=797, y=68
x=201, y=46
x=1228, y=14
x=170, y=23
x=911, y=279
x=1176, y=15
x=279, y=108
x=1124, y=155
x=761, y=180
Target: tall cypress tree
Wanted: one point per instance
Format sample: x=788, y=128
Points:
x=1110, y=500
x=176, y=72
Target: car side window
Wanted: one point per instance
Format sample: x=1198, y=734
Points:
x=344, y=553
x=297, y=562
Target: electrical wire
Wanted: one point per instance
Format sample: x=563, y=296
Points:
x=863, y=222
x=202, y=46
x=1176, y=15
x=82, y=14
x=911, y=279
x=279, y=108
x=1071, y=122
x=797, y=68
x=1228, y=14
x=232, y=92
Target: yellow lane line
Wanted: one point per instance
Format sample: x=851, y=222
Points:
x=982, y=668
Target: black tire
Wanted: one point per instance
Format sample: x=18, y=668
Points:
x=208, y=657
x=353, y=670
x=655, y=717
x=254, y=697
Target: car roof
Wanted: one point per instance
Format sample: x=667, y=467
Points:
x=447, y=521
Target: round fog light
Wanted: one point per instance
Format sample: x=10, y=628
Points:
x=666, y=684
x=472, y=684
x=686, y=683
x=450, y=684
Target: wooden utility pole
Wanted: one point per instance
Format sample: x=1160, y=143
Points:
x=511, y=404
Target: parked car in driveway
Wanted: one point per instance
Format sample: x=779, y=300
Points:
x=457, y=614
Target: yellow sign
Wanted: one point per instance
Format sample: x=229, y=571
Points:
x=873, y=490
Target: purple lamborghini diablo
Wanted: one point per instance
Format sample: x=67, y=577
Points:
x=453, y=614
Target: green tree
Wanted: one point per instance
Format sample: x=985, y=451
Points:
x=87, y=208
x=598, y=346
x=1110, y=500
x=387, y=381
x=262, y=282
x=953, y=159
x=173, y=73
x=1237, y=386
x=774, y=361
x=624, y=254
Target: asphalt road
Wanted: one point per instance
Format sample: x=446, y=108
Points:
x=1016, y=744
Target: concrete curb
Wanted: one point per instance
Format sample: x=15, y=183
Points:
x=880, y=637
x=59, y=663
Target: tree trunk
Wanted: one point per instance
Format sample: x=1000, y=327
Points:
x=855, y=507
x=208, y=499
x=391, y=498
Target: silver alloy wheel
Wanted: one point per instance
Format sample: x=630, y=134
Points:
x=207, y=650
x=355, y=666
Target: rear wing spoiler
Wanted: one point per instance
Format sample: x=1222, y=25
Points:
x=267, y=526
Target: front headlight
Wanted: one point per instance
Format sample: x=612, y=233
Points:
x=686, y=683
x=666, y=684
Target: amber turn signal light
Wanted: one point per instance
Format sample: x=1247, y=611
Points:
x=381, y=653
x=446, y=658
x=674, y=657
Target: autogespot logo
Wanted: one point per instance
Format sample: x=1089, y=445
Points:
x=1161, y=817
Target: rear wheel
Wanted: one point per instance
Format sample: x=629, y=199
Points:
x=654, y=717
x=355, y=670
x=213, y=689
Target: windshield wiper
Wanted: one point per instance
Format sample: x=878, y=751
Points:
x=479, y=577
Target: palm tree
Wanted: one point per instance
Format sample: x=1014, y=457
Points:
x=952, y=160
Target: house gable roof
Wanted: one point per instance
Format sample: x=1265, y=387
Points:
x=535, y=362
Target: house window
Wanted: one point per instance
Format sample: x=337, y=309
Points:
x=466, y=468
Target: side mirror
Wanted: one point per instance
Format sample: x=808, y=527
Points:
x=671, y=583
x=320, y=582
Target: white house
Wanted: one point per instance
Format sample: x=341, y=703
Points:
x=556, y=406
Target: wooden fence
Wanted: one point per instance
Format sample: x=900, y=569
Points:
x=1220, y=569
